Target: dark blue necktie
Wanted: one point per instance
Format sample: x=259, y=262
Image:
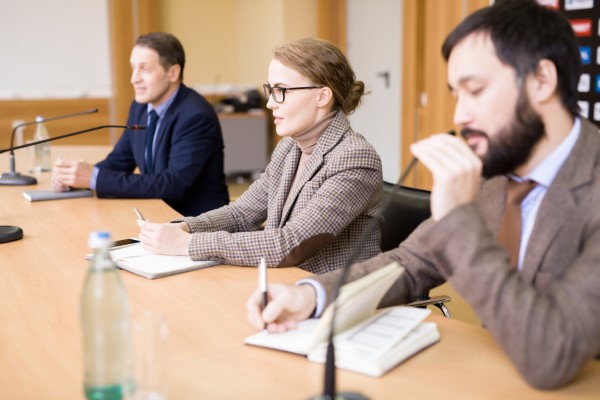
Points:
x=150, y=129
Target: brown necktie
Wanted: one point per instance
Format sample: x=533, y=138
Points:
x=509, y=233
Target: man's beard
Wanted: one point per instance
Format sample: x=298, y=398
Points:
x=512, y=145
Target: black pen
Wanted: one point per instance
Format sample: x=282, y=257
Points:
x=262, y=281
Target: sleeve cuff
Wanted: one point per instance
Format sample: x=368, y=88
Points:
x=94, y=178
x=321, y=296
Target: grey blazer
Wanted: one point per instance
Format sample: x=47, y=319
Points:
x=546, y=317
x=339, y=192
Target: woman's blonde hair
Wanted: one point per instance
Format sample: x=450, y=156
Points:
x=324, y=64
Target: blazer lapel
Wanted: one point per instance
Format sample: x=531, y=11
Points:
x=328, y=140
x=160, y=137
x=560, y=200
x=492, y=199
x=138, y=141
x=557, y=205
x=314, y=164
x=167, y=121
x=287, y=177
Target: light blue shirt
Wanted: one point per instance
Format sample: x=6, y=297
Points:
x=543, y=174
x=160, y=111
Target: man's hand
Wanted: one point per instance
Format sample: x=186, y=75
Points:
x=71, y=173
x=169, y=239
x=456, y=171
x=287, y=305
x=57, y=184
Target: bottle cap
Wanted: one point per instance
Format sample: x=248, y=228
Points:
x=98, y=239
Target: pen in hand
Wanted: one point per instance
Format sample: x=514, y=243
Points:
x=262, y=281
x=139, y=214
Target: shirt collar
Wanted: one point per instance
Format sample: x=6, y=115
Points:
x=162, y=108
x=547, y=170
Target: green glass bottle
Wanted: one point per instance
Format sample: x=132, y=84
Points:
x=106, y=323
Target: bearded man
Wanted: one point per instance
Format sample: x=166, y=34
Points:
x=513, y=69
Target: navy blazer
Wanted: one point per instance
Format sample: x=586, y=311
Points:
x=188, y=161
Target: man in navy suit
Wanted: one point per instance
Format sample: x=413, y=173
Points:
x=179, y=156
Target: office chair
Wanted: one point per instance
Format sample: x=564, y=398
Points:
x=407, y=208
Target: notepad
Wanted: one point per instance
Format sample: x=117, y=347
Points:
x=41, y=195
x=381, y=342
x=134, y=258
x=366, y=342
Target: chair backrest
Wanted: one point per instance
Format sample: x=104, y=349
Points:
x=406, y=210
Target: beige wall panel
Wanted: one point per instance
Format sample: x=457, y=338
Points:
x=208, y=31
x=300, y=19
x=231, y=41
x=260, y=29
x=27, y=110
x=265, y=24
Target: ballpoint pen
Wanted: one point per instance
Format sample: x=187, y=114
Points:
x=262, y=281
x=138, y=213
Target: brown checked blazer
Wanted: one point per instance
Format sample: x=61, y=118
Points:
x=339, y=192
x=545, y=317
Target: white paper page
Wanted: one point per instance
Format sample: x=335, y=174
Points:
x=358, y=301
x=294, y=341
x=377, y=336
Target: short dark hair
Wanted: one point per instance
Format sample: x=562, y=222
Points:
x=169, y=49
x=523, y=33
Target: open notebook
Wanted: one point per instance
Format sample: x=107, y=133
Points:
x=134, y=258
x=366, y=342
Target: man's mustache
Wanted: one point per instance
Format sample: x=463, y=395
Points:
x=466, y=132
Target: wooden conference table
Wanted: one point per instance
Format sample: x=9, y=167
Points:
x=40, y=338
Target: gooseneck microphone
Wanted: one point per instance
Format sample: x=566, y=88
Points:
x=10, y=233
x=14, y=178
x=329, y=390
x=66, y=135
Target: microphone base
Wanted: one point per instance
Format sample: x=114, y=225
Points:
x=341, y=396
x=10, y=233
x=16, y=179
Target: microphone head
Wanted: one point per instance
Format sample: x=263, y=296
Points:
x=136, y=127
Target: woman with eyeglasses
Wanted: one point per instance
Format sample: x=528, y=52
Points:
x=318, y=193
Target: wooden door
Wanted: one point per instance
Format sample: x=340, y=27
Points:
x=428, y=106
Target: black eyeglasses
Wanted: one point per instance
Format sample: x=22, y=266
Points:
x=278, y=93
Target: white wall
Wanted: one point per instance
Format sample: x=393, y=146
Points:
x=54, y=49
x=60, y=48
x=375, y=47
